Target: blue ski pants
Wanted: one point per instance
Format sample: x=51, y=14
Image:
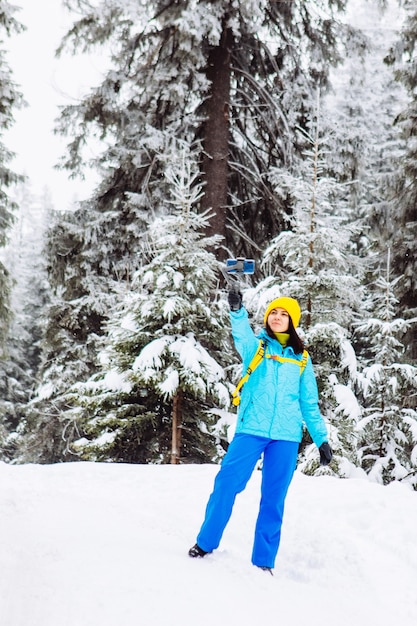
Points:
x=279, y=462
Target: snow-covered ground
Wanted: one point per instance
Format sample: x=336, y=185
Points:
x=88, y=544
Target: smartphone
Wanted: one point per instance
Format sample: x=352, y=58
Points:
x=240, y=266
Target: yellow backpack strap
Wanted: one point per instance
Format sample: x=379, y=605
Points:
x=284, y=359
x=259, y=355
x=303, y=361
x=257, y=358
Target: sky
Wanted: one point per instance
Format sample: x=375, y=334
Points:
x=46, y=83
x=101, y=544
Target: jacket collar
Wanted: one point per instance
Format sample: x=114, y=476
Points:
x=274, y=343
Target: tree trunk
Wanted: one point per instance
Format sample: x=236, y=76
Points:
x=176, y=429
x=216, y=134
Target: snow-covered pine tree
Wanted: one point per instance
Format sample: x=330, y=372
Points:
x=89, y=260
x=162, y=380
x=313, y=262
x=361, y=154
x=404, y=236
x=367, y=156
x=10, y=100
x=25, y=263
x=387, y=433
x=255, y=61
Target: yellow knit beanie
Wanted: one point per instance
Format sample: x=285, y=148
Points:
x=289, y=304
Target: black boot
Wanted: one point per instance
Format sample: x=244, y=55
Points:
x=266, y=569
x=196, y=551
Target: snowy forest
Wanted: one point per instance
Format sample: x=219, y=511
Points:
x=282, y=131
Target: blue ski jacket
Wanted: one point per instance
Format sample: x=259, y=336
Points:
x=276, y=400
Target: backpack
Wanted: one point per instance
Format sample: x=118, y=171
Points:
x=257, y=358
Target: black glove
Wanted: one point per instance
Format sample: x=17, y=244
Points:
x=235, y=300
x=326, y=453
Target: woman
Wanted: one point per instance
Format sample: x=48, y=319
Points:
x=279, y=395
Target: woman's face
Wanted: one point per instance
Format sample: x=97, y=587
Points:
x=278, y=320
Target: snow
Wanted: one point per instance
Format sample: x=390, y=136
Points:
x=115, y=381
x=150, y=355
x=347, y=402
x=84, y=544
x=187, y=350
x=170, y=383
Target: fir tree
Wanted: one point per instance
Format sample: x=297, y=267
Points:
x=236, y=76
x=29, y=295
x=360, y=154
x=366, y=156
x=82, y=292
x=10, y=100
x=387, y=433
x=313, y=259
x=162, y=378
x=313, y=262
x=404, y=236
